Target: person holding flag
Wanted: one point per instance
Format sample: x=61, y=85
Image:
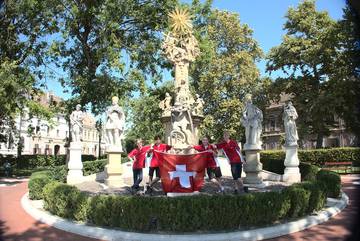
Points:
x=213, y=169
x=154, y=162
x=232, y=152
x=138, y=156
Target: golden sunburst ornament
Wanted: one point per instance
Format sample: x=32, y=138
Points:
x=180, y=21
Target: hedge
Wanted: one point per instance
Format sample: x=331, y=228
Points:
x=37, y=182
x=190, y=214
x=35, y=161
x=183, y=214
x=317, y=156
x=39, y=179
x=331, y=183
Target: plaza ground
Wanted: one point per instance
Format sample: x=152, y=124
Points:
x=16, y=224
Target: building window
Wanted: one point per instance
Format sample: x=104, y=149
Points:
x=57, y=133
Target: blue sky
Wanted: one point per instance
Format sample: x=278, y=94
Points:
x=265, y=17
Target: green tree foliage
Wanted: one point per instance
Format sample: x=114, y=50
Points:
x=23, y=24
x=305, y=56
x=346, y=70
x=145, y=114
x=109, y=47
x=225, y=70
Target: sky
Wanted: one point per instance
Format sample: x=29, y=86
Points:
x=264, y=17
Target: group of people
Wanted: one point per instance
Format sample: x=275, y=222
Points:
x=229, y=147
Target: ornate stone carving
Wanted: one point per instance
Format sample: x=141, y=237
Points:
x=252, y=121
x=198, y=106
x=76, y=127
x=289, y=117
x=180, y=47
x=115, y=123
x=165, y=105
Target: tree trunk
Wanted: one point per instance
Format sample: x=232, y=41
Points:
x=319, y=140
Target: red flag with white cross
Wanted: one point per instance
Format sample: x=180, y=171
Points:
x=182, y=173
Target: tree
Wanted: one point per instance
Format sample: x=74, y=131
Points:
x=306, y=56
x=108, y=47
x=346, y=70
x=23, y=24
x=144, y=114
x=225, y=70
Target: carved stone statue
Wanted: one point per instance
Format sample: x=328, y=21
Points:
x=198, y=107
x=114, y=126
x=252, y=121
x=165, y=105
x=289, y=117
x=76, y=127
x=181, y=134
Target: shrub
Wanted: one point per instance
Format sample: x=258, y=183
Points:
x=299, y=201
x=317, y=197
x=317, y=156
x=330, y=182
x=37, y=182
x=308, y=171
x=187, y=214
x=94, y=166
x=65, y=201
x=35, y=161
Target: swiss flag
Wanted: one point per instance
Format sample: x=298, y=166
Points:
x=182, y=173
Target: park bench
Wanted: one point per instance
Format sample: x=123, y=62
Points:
x=338, y=166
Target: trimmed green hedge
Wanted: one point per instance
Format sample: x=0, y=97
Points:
x=183, y=214
x=39, y=179
x=37, y=182
x=330, y=181
x=35, y=161
x=316, y=156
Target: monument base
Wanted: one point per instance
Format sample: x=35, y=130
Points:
x=180, y=194
x=75, y=166
x=253, y=167
x=261, y=185
x=291, y=175
x=113, y=169
x=292, y=171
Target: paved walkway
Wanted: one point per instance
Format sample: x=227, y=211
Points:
x=15, y=224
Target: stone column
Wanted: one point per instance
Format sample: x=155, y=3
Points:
x=113, y=169
x=253, y=167
x=292, y=171
x=75, y=166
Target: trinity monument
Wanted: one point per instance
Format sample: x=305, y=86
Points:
x=181, y=119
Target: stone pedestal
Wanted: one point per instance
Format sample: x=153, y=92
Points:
x=75, y=166
x=253, y=167
x=113, y=169
x=292, y=171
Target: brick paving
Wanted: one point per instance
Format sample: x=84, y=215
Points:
x=16, y=224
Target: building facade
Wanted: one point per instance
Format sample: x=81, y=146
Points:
x=40, y=136
x=273, y=130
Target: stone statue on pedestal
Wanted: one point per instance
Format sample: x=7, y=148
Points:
x=165, y=105
x=76, y=127
x=181, y=134
x=252, y=121
x=289, y=117
x=198, y=108
x=115, y=122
